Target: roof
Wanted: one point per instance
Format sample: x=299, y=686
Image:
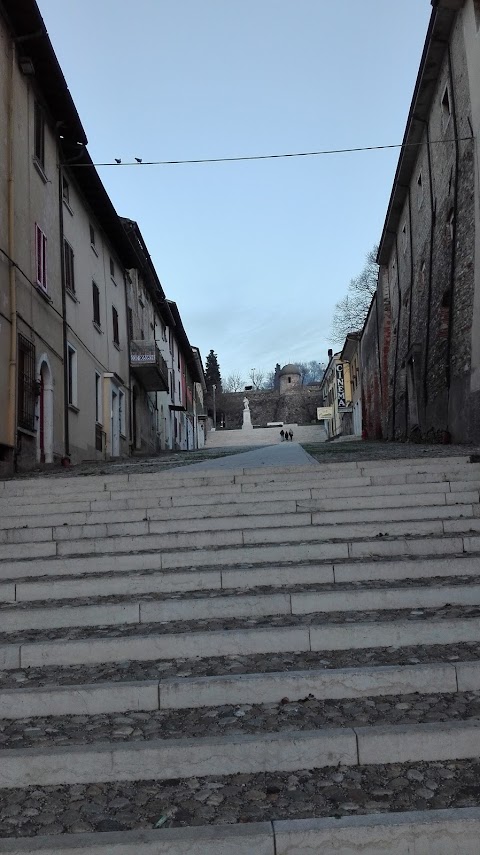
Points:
x=352, y=342
x=290, y=369
x=146, y=266
x=436, y=44
x=30, y=35
x=185, y=346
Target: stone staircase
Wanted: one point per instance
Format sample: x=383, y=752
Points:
x=280, y=661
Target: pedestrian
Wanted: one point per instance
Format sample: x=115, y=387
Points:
x=282, y=434
x=291, y=434
x=286, y=435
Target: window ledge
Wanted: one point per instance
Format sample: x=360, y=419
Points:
x=38, y=166
x=67, y=205
x=113, y=280
x=97, y=327
x=72, y=295
x=115, y=344
x=73, y=408
x=43, y=294
x=26, y=431
x=92, y=247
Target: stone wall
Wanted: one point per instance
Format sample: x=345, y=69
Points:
x=416, y=346
x=298, y=407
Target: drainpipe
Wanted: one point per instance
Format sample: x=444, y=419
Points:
x=397, y=337
x=409, y=336
x=430, y=274
x=66, y=428
x=454, y=239
x=12, y=368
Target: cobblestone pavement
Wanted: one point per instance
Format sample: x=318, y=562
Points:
x=344, y=452
x=306, y=713
x=337, y=792
x=314, y=619
x=220, y=665
x=322, y=452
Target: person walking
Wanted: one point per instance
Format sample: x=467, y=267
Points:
x=282, y=434
x=290, y=433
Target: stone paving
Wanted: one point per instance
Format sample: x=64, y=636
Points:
x=239, y=798
x=306, y=713
x=229, y=665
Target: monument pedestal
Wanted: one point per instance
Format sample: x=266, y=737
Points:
x=247, y=420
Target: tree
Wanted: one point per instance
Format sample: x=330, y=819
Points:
x=233, y=383
x=311, y=371
x=212, y=372
x=350, y=312
x=257, y=378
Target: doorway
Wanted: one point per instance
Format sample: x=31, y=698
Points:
x=45, y=412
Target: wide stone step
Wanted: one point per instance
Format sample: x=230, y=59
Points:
x=154, y=498
x=224, y=605
x=297, y=714
x=137, y=583
x=167, y=759
x=178, y=693
x=227, y=557
x=353, y=540
x=286, y=515
x=235, y=515
x=296, y=634
x=444, y=832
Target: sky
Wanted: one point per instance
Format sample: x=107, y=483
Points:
x=257, y=253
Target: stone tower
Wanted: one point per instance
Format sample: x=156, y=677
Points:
x=290, y=379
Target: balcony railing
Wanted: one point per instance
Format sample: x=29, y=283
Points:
x=149, y=366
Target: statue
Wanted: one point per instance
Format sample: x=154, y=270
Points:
x=246, y=405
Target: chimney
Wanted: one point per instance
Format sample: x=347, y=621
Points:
x=330, y=353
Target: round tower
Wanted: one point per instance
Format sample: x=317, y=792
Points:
x=290, y=378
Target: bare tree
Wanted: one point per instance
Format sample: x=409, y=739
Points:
x=257, y=378
x=311, y=371
x=233, y=383
x=350, y=312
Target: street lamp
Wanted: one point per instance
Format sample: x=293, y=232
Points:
x=214, y=389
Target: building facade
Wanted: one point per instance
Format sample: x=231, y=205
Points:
x=85, y=328
x=420, y=352
x=334, y=390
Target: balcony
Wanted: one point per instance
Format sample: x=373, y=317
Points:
x=149, y=366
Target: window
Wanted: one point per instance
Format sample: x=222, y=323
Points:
x=65, y=190
x=172, y=385
x=121, y=412
x=446, y=108
x=112, y=268
x=142, y=335
x=68, y=267
x=96, y=304
x=170, y=342
x=92, y=236
x=26, y=383
x=72, y=375
x=420, y=190
x=130, y=324
x=115, y=325
x=41, y=258
x=98, y=399
x=404, y=238
x=39, y=135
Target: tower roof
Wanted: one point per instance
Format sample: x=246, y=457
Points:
x=290, y=369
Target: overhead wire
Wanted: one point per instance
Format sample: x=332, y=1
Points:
x=236, y=159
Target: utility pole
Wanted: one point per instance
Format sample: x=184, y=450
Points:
x=214, y=389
